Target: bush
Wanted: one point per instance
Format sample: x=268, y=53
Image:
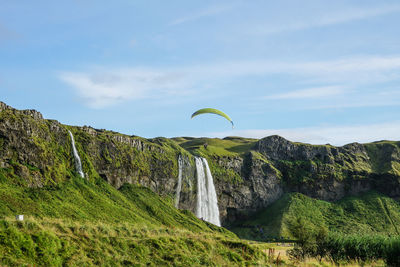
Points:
x=342, y=248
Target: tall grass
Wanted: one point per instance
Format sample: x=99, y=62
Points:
x=369, y=213
x=364, y=248
x=55, y=242
x=79, y=222
x=341, y=248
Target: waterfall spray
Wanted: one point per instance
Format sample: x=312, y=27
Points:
x=78, y=164
x=207, y=202
x=179, y=186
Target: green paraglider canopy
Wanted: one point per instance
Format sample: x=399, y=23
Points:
x=213, y=111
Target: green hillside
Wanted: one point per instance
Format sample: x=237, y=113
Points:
x=208, y=147
x=369, y=213
x=91, y=223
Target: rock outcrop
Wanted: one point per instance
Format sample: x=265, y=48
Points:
x=276, y=165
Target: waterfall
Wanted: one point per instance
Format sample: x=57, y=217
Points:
x=179, y=186
x=201, y=207
x=78, y=164
x=212, y=197
x=207, y=203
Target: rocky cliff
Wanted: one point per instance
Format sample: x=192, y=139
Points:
x=249, y=174
x=276, y=165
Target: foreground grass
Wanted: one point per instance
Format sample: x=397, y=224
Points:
x=55, y=242
x=276, y=254
x=78, y=222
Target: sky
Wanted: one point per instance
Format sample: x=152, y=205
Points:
x=311, y=71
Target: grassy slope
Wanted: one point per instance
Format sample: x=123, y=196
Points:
x=91, y=223
x=59, y=243
x=229, y=146
x=370, y=213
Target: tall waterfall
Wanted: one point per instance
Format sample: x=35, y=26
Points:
x=179, y=186
x=207, y=203
x=78, y=164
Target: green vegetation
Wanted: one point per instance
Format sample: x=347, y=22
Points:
x=369, y=213
x=297, y=172
x=91, y=223
x=307, y=171
x=80, y=200
x=224, y=174
x=344, y=248
x=227, y=147
x=340, y=248
x=54, y=242
x=382, y=155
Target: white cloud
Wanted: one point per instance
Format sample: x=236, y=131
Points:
x=327, y=19
x=335, y=135
x=340, y=67
x=316, y=92
x=350, y=72
x=213, y=10
x=101, y=88
x=105, y=88
x=358, y=100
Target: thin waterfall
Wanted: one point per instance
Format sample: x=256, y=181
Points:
x=78, y=164
x=179, y=186
x=207, y=202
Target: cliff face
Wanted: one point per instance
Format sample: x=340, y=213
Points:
x=249, y=174
x=36, y=152
x=274, y=166
x=260, y=186
x=330, y=173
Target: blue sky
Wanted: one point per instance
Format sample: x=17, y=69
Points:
x=311, y=71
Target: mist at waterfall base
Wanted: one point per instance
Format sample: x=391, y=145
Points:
x=78, y=164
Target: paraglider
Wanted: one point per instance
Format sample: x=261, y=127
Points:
x=213, y=111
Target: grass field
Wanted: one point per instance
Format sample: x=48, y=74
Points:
x=83, y=223
x=58, y=242
x=55, y=242
x=369, y=213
